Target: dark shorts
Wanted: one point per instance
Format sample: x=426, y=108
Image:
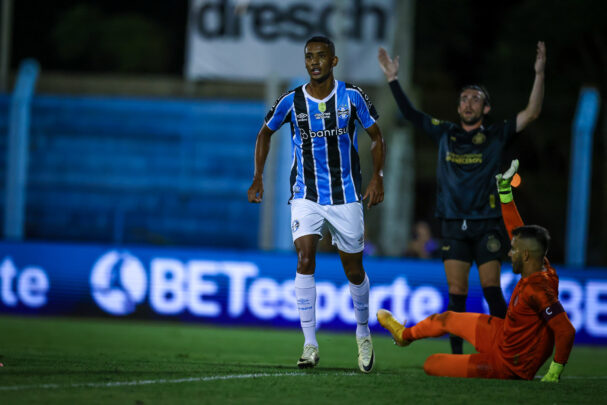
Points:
x=473, y=240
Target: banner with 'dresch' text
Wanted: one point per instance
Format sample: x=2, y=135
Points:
x=254, y=39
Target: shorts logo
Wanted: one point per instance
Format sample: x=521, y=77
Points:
x=493, y=244
x=446, y=248
x=302, y=117
x=479, y=138
x=295, y=226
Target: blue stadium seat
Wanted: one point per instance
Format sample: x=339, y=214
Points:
x=140, y=170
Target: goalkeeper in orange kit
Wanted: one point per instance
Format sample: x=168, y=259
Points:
x=535, y=323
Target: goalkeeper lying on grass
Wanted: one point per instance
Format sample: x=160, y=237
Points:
x=535, y=324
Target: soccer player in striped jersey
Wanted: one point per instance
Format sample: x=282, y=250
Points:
x=326, y=185
x=535, y=324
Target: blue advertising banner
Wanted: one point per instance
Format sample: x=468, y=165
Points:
x=248, y=288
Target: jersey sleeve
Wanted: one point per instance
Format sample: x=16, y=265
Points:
x=564, y=335
x=365, y=110
x=543, y=298
x=280, y=111
x=432, y=126
x=512, y=219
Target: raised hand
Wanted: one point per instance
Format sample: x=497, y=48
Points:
x=387, y=64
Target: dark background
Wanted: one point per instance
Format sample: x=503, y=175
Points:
x=456, y=42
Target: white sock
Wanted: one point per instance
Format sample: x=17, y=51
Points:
x=360, y=299
x=305, y=293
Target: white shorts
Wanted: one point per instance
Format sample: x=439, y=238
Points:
x=345, y=222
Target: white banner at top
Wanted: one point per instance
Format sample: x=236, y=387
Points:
x=255, y=39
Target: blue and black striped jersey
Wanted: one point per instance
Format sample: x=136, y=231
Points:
x=325, y=164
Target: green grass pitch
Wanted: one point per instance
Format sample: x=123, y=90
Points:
x=90, y=361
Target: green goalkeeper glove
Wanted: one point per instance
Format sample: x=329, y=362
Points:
x=554, y=372
x=503, y=183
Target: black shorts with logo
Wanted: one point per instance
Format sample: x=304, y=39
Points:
x=473, y=240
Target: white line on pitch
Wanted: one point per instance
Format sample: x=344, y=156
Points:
x=163, y=381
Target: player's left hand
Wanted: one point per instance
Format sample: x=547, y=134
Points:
x=540, y=58
x=375, y=191
x=554, y=372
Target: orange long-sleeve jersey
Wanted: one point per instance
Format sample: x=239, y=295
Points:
x=536, y=321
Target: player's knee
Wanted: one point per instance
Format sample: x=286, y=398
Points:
x=458, y=288
x=355, y=274
x=305, y=263
x=442, y=317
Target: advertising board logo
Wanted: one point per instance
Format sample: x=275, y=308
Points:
x=118, y=282
x=273, y=20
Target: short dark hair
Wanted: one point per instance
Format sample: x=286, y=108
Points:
x=535, y=232
x=476, y=87
x=324, y=40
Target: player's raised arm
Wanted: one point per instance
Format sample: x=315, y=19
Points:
x=512, y=218
x=375, y=189
x=262, y=148
x=534, y=107
x=390, y=68
x=388, y=65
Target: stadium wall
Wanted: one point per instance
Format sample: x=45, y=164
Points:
x=247, y=288
x=139, y=170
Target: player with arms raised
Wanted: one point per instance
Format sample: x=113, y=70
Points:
x=326, y=185
x=469, y=155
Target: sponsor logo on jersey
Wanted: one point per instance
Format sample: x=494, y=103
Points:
x=465, y=159
x=479, y=138
x=323, y=133
x=322, y=115
x=302, y=117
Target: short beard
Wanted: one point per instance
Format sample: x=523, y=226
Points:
x=473, y=121
x=517, y=267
